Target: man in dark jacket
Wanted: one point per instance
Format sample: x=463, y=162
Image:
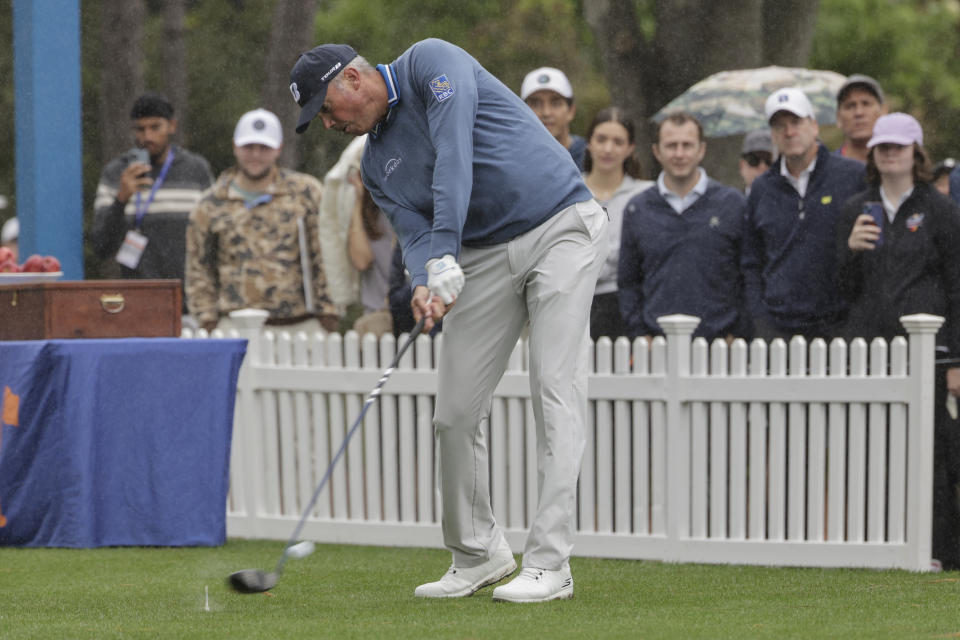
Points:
x=680, y=244
x=788, y=252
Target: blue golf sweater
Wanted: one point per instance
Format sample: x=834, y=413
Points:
x=789, y=257
x=460, y=159
x=687, y=263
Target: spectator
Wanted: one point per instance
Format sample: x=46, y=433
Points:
x=253, y=242
x=899, y=253
x=10, y=236
x=142, y=203
x=611, y=171
x=460, y=167
x=941, y=175
x=859, y=104
x=549, y=94
x=339, y=197
x=680, y=247
x=788, y=260
x=370, y=243
x=756, y=156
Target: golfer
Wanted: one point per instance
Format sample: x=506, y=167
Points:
x=498, y=230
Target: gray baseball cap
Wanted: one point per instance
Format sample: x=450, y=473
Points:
x=860, y=81
x=758, y=140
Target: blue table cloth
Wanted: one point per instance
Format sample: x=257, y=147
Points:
x=116, y=442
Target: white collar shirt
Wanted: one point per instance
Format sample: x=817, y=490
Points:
x=891, y=207
x=681, y=203
x=800, y=182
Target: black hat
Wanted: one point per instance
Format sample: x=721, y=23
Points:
x=312, y=74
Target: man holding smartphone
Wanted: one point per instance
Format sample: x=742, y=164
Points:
x=145, y=196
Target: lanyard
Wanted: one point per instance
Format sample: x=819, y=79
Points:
x=143, y=206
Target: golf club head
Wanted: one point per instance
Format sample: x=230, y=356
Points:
x=252, y=581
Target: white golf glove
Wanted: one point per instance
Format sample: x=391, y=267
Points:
x=445, y=278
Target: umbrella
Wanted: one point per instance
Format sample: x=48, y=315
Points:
x=731, y=102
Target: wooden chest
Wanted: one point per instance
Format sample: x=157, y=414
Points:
x=90, y=309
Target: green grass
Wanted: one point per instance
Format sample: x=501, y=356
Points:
x=367, y=592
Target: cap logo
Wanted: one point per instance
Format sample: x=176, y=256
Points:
x=259, y=125
x=329, y=73
x=543, y=79
x=783, y=98
x=295, y=91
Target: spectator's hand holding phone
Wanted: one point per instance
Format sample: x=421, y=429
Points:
x=136, y=176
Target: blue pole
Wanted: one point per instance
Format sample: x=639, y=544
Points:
x=49, y=155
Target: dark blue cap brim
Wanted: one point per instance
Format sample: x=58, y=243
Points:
x=310, y=110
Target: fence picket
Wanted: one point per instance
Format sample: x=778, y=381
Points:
x=603, y=428
x=622, y=445
x=837, y=460
x=757, y=497
x=777, y=469
x=321, y=429
x=796, y=446
x=719, y=446
x=816, y=472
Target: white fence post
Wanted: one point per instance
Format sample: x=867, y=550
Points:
x=247, y=424
x=923, y=332
x=678, y=328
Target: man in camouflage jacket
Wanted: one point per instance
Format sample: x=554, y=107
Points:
x=245, y=238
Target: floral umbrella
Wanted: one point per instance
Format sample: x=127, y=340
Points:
x=731, y=102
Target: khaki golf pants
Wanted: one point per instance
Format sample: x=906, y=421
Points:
x=547, y=277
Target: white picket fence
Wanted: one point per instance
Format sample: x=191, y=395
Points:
x=804, y=455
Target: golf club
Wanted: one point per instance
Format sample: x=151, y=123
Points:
x=258, y=581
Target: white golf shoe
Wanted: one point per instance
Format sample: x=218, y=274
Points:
x=459, y=582
x=536, y=585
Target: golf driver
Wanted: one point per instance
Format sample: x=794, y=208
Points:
x=258, y=581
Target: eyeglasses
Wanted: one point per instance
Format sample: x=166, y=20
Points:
x=754, y=158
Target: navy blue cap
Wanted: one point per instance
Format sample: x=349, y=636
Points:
x=312, y=74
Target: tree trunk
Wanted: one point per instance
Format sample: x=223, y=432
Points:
x=291, y=34
x=121, y=71
x=788, y=29
x=174, y=67
x=693, y=39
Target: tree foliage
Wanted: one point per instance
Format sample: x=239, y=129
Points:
x=911, y=47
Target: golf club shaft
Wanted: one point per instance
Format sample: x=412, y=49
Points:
x=371, y=398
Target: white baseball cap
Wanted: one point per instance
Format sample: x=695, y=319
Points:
x=546, y=78
x=258, y=127
x=789, y=99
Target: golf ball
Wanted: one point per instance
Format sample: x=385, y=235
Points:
x=301, y=549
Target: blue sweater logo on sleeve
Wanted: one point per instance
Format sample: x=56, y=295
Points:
x=441, y=87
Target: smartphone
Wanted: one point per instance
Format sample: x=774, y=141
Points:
x=138, y=154
x=875, y=211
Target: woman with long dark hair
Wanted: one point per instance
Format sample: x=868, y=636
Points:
x=611, y=171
